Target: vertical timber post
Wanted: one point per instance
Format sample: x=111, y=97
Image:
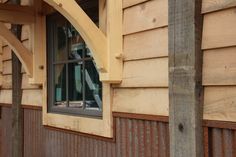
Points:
x=185, y=78
x=17, y=112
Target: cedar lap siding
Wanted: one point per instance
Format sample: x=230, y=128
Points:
x=140, y=102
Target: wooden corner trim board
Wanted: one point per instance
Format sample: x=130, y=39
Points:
x=107, y=49
x=16, y=14
x=24, y=55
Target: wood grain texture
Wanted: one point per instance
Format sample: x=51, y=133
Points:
x=216, y=5
x=219, y=67
x=145, y=73
x=6, y=53
x=147, y=44
x=219, y=29
x=25, y=32
x=6, y=96
x=148, y=15
x=220, y=103
x=185, y=75
x=152, y=101
x=7, y=82
x=15, y=44
x=129, y=3
x=16, y=14
x=35, y=94
x=7, y=68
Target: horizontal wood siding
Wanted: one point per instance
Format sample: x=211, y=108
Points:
x=144, y=87
x=219, y=63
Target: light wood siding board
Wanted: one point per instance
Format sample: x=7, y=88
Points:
x=6, y=53
x=141, y=100
x=26, y=84
x=7, y=82
x=219, y=29
x=32, y=97
x=128, y=3
x=145, y=73
x=7, y=69
x=219, y=67
x=148, y=15
x=25, y=32
x=215, y=5
x=147, y=44
x=1, y=46
x=6, y=96
x=220, y=103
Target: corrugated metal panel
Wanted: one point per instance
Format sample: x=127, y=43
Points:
x=5, y=132
x=134, y=138
x=222, y=142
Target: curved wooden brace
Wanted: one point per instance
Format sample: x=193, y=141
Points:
x=93, y=36
x=24, y=55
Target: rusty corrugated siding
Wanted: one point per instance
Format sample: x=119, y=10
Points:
x=134, y=138
x=5, y=132
x=221, y=142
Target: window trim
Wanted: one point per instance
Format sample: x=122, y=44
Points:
x=110, y=27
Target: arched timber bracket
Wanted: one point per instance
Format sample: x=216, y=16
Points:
x=24, y=55
x=107, y=49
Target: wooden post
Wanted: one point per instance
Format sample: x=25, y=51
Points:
x=17, y=112
x=185, y=75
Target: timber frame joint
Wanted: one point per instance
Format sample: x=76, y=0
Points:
x=103, y=44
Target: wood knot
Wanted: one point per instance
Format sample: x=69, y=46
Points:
x=181, y=127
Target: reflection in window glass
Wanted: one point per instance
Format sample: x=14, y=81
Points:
x=60, y=85
x=76, y=86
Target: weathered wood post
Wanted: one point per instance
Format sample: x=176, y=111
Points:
x=17, y=112
x=185, y=75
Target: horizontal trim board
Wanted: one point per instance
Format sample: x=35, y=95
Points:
x=141, y=116
x=219, y=124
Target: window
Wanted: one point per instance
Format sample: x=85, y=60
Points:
x=73, y=97
x=73, y=80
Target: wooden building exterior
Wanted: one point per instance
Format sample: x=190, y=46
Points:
x=137, y=105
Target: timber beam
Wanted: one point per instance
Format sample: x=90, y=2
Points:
x=106, y=49
x=24, y=55
x=87, y=29
x=185, y=78
x=16, y=14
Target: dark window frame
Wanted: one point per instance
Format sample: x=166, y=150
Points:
x=51, y=108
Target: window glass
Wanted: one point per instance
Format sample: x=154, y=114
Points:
x=60, y=85
x=75, y=78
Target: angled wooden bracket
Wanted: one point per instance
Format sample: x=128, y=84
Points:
x=24, y=55
x=106, y=49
